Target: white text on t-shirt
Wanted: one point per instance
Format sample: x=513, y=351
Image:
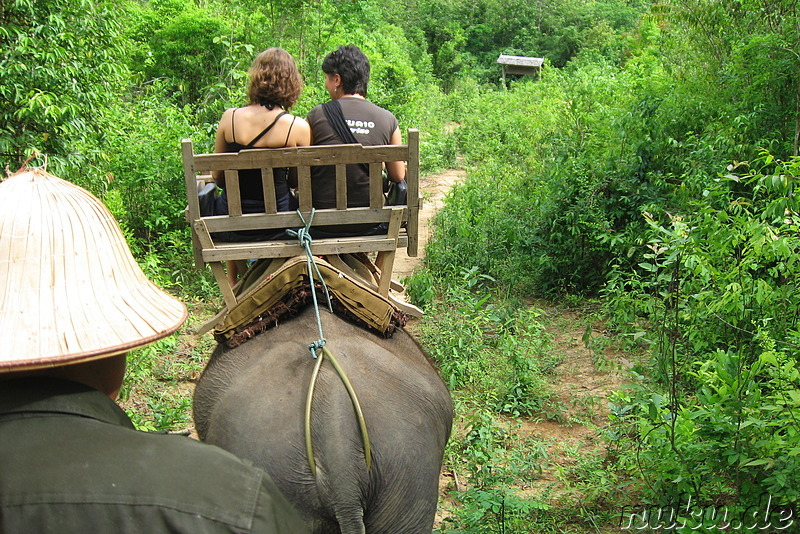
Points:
x=360, y=127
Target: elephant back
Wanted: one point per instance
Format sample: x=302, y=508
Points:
x=251, y=401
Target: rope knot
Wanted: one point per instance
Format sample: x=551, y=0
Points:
x=302, y=234
x=304, y=237
x=316, y=346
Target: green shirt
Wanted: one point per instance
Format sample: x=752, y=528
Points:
x=72, y=462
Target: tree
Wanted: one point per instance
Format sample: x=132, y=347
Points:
x=744, y=57
x=59, y=68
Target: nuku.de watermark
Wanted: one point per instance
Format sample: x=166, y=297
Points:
x=687, y=514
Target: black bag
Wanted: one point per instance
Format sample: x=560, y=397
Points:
x=395, y=193
x=207, y=197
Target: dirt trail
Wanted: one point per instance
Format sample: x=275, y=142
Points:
x=433, y=189
x=581, y=383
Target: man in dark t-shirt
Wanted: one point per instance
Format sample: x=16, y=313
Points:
x=74, y=303
x=346, y=77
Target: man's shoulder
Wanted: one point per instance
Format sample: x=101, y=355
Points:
x=155, y=474
x=183, y=450
x=212, y=482
x=363, y=104
x=314, y=112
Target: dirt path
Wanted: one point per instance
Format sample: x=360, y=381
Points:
x=581, y=383
x=589, y=372
x=433, y=189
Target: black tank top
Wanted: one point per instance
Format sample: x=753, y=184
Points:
x=250, y=179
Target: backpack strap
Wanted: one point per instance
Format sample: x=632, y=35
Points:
x=335, y=116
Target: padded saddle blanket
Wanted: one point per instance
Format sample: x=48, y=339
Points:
x=272, y=295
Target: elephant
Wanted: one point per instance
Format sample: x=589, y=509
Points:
x=251, y=400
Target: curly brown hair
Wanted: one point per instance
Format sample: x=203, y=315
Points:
x=274, y=79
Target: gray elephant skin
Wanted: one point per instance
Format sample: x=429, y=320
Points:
x=251, y=399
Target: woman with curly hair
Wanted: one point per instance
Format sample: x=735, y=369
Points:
x=274, y=86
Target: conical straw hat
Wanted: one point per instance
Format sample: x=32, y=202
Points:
x=70, y=290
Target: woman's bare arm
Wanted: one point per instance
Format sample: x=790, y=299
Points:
x=221, y=144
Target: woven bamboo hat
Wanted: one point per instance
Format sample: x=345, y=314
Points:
x=70, y=289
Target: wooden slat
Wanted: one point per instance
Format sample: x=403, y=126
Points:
x=300, y=156
x=386, y=259
x=341, y=187
x=290, y=219
x=304, y=189
x=232, y=193
x=285, y=249
x=268, y=188
x=222, y=282
x=202, y=233
x=413, y=201
x=376, y=185
x=252, y=246
x=193, y=210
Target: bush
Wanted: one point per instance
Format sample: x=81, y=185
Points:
x=145, y=188
x=712, y=300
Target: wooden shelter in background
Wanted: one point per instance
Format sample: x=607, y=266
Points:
x=520, y=65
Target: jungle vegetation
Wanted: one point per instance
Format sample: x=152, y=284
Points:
x=650, y=171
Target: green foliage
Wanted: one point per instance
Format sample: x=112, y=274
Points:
x=187, y=46
x=495, y=349
x=733, y=256
x=394, y=83
x=144, y=185
x=637, y=113
x=59, y=68
x=144, y=165
x=552, y=198
x=734, y=442
x=745, y=64
x=152, y=406
x=196, y=35
x=467, y=37
x=493, y=354
x=493, y=464
x=716, y=299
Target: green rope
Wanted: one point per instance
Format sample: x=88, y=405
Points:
x=362, y=424
x=319, y=352
x=307, y=420
x=304, y=236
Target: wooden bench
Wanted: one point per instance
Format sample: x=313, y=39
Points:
x=402, y=221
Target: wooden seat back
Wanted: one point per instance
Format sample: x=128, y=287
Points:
x=402, y=221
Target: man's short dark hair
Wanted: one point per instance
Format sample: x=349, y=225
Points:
x=349, y=62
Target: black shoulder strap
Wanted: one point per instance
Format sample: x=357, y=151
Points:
x=265, y=130
x=289, y=132
x=333, y=111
